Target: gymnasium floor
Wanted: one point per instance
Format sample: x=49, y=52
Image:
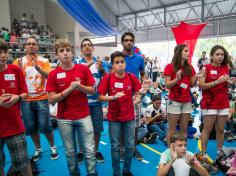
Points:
x=147, y=167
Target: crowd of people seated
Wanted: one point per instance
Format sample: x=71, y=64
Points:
x=26, y=27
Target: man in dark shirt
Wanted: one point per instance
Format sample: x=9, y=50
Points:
x=202, y=61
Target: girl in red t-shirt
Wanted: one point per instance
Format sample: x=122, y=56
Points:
x=215, y=102
x=179, y=77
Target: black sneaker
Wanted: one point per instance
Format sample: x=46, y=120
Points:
x=138, y=155
x=80, y=157
x=37, y=155
x=152, y=138
x=99, y=157
x=127, y=174
x=54, y=154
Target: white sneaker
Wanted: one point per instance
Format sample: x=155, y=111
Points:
x=54, y=154
x=37, y=154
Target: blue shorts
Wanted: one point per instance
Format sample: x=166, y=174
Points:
x=36, y=116
x=96, y=114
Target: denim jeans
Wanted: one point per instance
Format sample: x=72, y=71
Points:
x=160, y=128
x=84, y=129
x=115, y=131
x=36, y=117
x=142, y=132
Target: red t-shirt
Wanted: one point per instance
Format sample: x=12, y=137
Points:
x=181, y=91
x=75, y=105
x=217, y=96
x=13, y=82
x=122, y=109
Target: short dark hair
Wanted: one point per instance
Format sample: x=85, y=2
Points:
x=3, y=45
x=127, y=33
x=177, y=136
x=204, y=52
x=116, y=54
x=86, y=39
x=156, y=97
x=31, y=37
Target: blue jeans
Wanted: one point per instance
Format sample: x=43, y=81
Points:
x=142, y=132
x=160, y=128
x=84, y=129
x=115, y=131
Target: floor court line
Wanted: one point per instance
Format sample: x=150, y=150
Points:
x=200, y=149
x=149, y=148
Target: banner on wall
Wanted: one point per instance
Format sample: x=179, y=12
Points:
x=188, y=34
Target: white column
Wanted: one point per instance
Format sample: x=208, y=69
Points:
x=77, y=39
x=5, y=15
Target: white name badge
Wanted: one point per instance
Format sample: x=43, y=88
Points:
x=213, y=72
x=118, y=85
x=184, y=86
x=9, y=77
x=61, y=75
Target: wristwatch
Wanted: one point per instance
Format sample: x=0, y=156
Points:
x=37, y=67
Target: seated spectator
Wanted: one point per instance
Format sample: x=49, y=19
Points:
x=16, y=26
x=31, y=21
x=178, y=161
x=25, y=34
x=154, y=90
x=156, y=117
x=143, y=135
x=5, y=33
x=13, y=37
x=48, y=57
x=161, y=81
x=24, y=21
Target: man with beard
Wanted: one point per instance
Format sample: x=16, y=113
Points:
x=134, y=64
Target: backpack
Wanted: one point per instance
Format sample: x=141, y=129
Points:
x=226, y=161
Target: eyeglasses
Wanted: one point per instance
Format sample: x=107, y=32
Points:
x=88, y=44
x=128, y=40
x=117, y=62
x=33, y=44
x=62, y=50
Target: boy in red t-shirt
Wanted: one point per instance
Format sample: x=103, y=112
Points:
x=69, y=85
x=121, y=87
x=13, y=90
